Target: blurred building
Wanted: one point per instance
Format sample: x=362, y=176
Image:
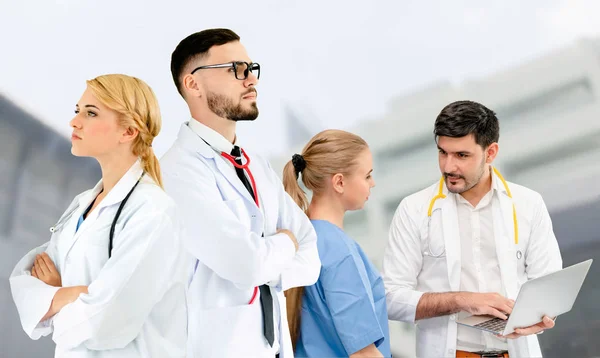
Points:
x=549, y=112
x=38, y=179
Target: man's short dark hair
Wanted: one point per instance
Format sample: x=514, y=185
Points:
x=461, y=118
x=195, y=46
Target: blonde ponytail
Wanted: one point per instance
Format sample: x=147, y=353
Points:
x=293, y=298
x=291, y=186
x=328, y=153
x=151, y=166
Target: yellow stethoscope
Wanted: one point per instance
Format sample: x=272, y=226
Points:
x=440, y=195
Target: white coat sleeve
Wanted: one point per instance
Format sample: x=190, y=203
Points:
x=304, y=268
x=32, y=296
x=215, y=235
x=142, y=267
x=542, y=255
x=402, y=263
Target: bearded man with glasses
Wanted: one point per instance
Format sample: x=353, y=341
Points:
x=250, y=240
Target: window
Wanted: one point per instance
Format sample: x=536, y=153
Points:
x=568, y=96
x=387, y=160
x=10, y=148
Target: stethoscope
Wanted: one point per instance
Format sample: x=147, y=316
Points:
x=440, y=195
x=246, y=168
x=63, y=219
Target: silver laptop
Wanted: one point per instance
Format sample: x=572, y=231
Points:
x=550, y=295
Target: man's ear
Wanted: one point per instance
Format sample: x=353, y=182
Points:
x=191, y=87
x=491, y=153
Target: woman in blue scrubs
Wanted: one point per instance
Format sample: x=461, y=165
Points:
x=344, y=314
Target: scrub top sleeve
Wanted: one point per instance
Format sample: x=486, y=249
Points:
x=350, y=305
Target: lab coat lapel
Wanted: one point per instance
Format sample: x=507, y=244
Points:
x=67, y=234
x=190, y=140
x=451, y=239
x=505, y=241
x=230, y=174
x=115, y=196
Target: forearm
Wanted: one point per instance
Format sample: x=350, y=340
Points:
x=63, y=297
x=438, y=304
x=369, y=351
x=303, y=270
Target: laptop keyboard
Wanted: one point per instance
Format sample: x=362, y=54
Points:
x=495, y=325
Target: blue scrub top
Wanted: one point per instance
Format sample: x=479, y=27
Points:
x=345, y=310
x=82, y=217
x=79, y=222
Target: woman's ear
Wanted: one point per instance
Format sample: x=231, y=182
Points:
x=129, y=135
x=337, y=183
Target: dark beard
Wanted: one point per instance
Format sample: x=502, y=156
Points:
x=470, y=184
x=223, y=107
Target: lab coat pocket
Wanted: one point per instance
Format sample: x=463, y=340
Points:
x=229, y=332
x=238, y=208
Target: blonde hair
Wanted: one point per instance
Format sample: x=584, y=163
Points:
x=136, y=103
x=328, y=153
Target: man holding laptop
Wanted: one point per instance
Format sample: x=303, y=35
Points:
x=466, y=244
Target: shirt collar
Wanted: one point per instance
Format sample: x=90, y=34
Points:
x=213, y=138
x=497, y=184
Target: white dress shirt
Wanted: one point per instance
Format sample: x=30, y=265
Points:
x=480, y=269
x=212, y=137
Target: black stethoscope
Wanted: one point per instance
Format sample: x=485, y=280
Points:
x=68, y=215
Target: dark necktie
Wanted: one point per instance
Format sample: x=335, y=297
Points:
x=266, y=299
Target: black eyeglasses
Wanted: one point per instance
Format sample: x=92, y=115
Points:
x=240, y=68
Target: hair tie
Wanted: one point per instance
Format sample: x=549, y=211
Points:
x=299, y=164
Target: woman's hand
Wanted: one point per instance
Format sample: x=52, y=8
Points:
x=63, y=297
x=43, y=269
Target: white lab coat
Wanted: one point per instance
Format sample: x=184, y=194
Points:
x=223, y=231
x=136, y=305
x=409, y=271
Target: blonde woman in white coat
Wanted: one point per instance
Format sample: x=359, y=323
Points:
x=111, y=282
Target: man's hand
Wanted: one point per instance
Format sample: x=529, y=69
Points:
x=491, y=304
x=43, y=269
x=292, y=236
x=546, y=323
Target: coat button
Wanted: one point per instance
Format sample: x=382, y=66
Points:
x=453, y=317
